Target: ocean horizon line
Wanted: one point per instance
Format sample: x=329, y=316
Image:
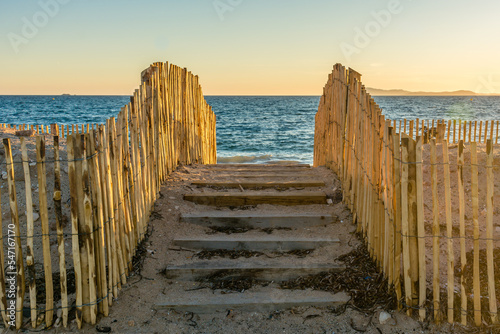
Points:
x=247, y=95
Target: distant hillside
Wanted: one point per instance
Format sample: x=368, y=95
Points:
x=401, y=92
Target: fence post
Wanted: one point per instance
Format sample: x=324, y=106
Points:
x=30, y=255
x=475, y=220
x=14, y=214
x=461, y=212
x=489, y=229
x=436, y=233
x=73, y=155
x=390, y=222
x=405, y=143
x=97, y=224
x=44, y=218
x=397, y=216
x=60, y=232
x=422, y=277
x=449, y=232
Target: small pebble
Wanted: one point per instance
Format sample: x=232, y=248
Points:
x=385, y=318
x=131, y=323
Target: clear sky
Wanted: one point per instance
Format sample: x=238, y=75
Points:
x=248, y=47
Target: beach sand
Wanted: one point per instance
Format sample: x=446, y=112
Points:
x=133, y=311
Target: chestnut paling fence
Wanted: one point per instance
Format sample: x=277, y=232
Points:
x=422, y=194
x=73, y=247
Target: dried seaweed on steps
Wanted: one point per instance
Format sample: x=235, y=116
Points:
x=270, y=230
x=361, y=279
x=228, y=280
x=228, y=229
x=231, y=254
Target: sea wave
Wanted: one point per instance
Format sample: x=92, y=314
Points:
x=243, y=159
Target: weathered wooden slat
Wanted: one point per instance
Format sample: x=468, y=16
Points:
x=117, y=200
x=397, y=216
x=3, y=292
x=30, y=255
x=475, y=220
x=404, y=220
x=44, y=217
x=256, y=198
x=73, y=155
x=449, y=233
x=14, y=241
x=422, y=277
x=461, y=219
x=107, y=194
x=97, y=224
x=489, y=229
x=435, y=233
x=57, y=197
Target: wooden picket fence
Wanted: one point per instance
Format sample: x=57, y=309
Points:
x=114, y=172
x=424, y=205
x=453, y=130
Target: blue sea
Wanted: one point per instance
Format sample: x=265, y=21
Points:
x=250, y=129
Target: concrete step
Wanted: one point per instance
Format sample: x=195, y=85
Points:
x=270, y=270
x=258, y=166
x=265, y=301
x=245, y=184
x=257, y=220
x=267, y=171
x=270, y=176
x=256, y=198
x=261, y=243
